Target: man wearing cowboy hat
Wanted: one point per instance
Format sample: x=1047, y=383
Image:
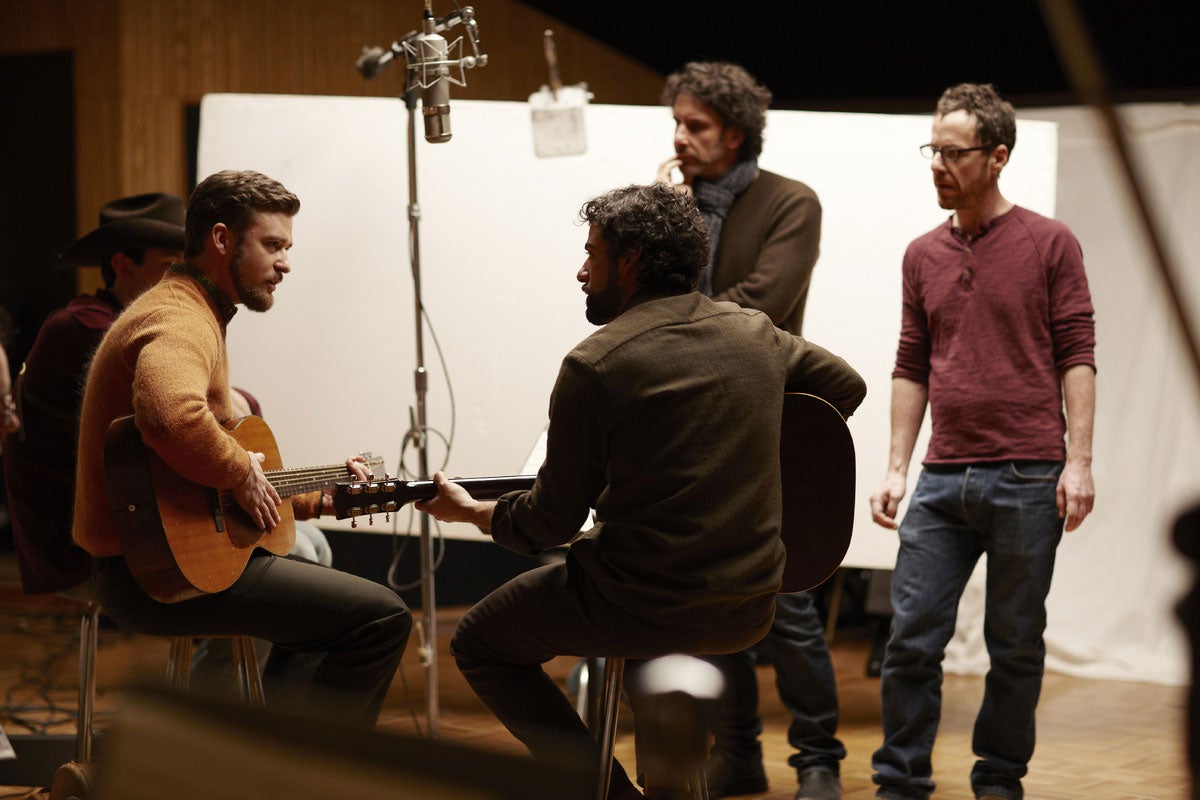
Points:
x=137, y=239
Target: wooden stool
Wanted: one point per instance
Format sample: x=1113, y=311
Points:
x=179, y=669
x=89, y=634
x=614, y=674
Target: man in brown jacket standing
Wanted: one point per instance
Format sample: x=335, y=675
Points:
x=764, y=235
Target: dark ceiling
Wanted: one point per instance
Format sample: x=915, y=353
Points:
x=899, y=54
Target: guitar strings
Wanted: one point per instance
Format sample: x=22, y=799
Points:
x=289, y=482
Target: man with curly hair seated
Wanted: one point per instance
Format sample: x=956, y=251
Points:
x=666, y=421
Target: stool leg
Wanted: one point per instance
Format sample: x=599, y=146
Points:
x=179, y=663
x=614, y=671
x=595, y=692
x=246, y=662
x=588, y=695
x=88, y=638
x=581, y=695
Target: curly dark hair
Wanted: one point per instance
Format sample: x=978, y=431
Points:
x=995, y=120
x=660, y=222
x=232, y=197
x=729, y=90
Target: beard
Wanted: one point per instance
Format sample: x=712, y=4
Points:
x=255, y=298
x=603, y=308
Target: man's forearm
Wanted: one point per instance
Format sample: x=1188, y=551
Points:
x=1079, y=396
x=481, y=514
x=909, y=399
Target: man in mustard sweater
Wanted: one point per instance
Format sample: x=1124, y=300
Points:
x=164, y=362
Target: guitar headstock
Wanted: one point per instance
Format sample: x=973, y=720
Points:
x=366, y=498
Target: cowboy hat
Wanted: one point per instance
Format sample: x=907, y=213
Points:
x=131, y=223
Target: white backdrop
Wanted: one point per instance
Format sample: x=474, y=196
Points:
x=500, y=245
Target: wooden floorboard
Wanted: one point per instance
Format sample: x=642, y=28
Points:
x=1102, y=740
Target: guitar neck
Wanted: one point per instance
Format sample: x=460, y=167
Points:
x=290, y=482
x=479, y=488
x=355, y=498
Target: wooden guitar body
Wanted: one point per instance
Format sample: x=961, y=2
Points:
x=816, y=461
x=182, y=540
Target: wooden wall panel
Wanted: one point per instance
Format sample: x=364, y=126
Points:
x=140, y=63
x=90, y=31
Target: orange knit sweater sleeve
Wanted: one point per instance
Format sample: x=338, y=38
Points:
x=163, y=361
x=180, y=390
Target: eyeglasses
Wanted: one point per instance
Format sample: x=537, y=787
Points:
x=948, y=154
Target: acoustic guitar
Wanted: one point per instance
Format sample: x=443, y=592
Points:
x=816, y=460
x=183, y=540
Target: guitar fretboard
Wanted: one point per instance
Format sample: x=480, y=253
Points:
x=291, y=482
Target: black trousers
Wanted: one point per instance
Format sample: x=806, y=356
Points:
x=502, y=643
x=360, y=626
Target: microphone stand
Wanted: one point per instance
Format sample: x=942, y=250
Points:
x=369, y=64
x=427, y=632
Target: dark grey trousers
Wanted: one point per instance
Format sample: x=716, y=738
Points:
x=360, y=626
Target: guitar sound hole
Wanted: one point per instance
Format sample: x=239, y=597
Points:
x=242, y=531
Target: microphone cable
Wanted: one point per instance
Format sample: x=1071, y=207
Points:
x=404, y=473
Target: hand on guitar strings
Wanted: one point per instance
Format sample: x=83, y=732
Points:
x=452, y=503
x=257, y=497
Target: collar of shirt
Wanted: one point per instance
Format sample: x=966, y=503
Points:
x=224, y=305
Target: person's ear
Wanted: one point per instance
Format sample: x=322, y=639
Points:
x=734, y=138
x=123, y=266
x=628, y=265
x=999, y=157
x=222, y=239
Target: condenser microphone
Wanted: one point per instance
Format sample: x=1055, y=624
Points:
x=433, y=75
x=430, y=59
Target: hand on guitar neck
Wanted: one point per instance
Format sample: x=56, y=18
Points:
x=453, y=503
x=360, y=468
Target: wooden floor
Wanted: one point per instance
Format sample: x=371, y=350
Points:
x=1100, y=740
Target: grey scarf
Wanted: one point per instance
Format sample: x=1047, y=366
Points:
x=715, y=198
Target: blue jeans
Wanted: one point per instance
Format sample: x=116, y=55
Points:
x=804, y=676
x=1006, y=510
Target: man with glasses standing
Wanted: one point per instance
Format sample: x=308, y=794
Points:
x=996, y=335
